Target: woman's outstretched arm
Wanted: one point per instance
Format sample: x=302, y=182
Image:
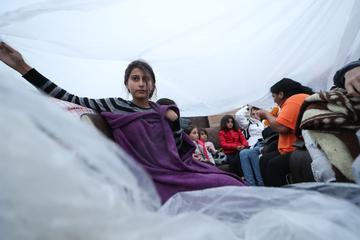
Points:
x=14, y=59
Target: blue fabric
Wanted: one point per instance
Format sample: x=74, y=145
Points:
x=249, y=160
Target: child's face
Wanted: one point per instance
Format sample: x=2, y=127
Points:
x=230, y=123
x=203, y=136
x=194, y=134
x=253, y=113
x=140, y=84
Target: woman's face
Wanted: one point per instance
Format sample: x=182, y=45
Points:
x=203, y=136
x=230, y=123
x=140, y=84
x=278, y=98
x=194, y=134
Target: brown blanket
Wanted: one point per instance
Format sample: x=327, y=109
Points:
x=333, y=118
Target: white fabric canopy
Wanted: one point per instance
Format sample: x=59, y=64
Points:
x=209, y=56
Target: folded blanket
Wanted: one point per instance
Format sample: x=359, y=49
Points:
x=333, y=118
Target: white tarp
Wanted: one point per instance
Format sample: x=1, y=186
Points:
x=60, y=179
x=209, y=56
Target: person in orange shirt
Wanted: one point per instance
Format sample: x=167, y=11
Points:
x=289, y=95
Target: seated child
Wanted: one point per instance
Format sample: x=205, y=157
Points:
x=218, y=155
x=209, y=145
x=201, y=152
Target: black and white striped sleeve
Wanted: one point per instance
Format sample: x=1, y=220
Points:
x=100, y=105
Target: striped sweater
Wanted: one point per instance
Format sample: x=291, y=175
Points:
x=114, y=105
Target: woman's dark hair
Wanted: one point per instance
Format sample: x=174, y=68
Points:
x=144, y=66
x=224, y=121
x=289, y=87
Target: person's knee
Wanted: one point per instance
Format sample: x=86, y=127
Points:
x=253, y=154
x=244, y=153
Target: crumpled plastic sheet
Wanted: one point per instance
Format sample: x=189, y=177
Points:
x=60, y=179
x=272, y=213
x=347, y=191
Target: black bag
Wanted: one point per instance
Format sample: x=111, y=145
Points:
x=269, y=135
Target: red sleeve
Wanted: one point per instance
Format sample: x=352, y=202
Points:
x=242, y=139
x=225, y=145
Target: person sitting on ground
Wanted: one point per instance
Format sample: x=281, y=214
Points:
x=148, y=132
x=209, y=145
x=232, y=141
x=319, y=164
x=201, y=152
x=289, y=95
x=348, y=77
x=218, y=155
x=249, y=158
x=184, y=122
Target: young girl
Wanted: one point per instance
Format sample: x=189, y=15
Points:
x=218, y=156
x=236, y=148
x=232, y=141
x=201, y=152
x=209, y=145
x=148, y=132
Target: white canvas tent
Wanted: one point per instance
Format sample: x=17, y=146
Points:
x=209, y=56
x=61, y=179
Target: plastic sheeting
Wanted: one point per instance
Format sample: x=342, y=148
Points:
x=270, y=213
x=209, y=56
x=61, y=179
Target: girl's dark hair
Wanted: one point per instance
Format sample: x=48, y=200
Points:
x=224, y=120
x=204, y=131
x=254, y=108
x=289, y=87
x=189, y=129
x=144, y=66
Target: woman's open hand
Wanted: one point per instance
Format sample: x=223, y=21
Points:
x=13, y=59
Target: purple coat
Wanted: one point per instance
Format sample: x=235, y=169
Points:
x=148, y=138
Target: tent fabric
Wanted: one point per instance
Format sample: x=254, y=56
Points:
x=61, y=179
x=209, y=56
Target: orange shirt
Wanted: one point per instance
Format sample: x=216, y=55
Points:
x=288, y=117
